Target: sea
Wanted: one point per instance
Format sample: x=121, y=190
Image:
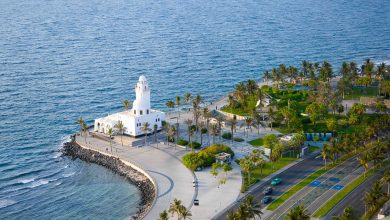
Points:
x=62, y=59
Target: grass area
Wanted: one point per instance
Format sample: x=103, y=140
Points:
x=284, y=197
x=344, y=192
x=243, y=111
x=313, y=149
x=269, y=168
x=356, y=93
x=257, y=142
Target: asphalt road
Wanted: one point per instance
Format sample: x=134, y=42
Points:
x=355, y=198
x=289, y=177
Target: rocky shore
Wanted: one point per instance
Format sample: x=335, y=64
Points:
x=148, y=192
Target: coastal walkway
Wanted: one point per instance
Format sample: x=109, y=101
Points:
x=172, y=178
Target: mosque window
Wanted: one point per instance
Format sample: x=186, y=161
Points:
x=140, y=112
x=147, y=111
x=135, y=112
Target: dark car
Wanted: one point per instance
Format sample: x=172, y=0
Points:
x=267, y=191
x=266, y=200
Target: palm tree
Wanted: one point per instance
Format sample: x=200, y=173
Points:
x=187, y=97
x=175, y=207
x=164, y=215
x=247, y=166
x=271, y=116
x=373, y=196
x=188, y=122
x=386, y=180
x=155, y=129
x=80, y=121
x=232, y=122
x=214, y=131
x=364, y=161
x=220, y=119
x=145, y=129
x=170, y=104
x=257, y=121
x=253, y=207
x=121, y=128
x=126, y=104
x=325, y=153
x=266, y=75
x=177, y=103
x=184, y=213
x=85, y=130
x=249, y=124
x=287, y=114
x=110, y=134
x=298, y=213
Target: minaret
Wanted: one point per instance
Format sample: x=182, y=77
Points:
x=141, y=104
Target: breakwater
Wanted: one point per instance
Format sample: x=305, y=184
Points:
x=148, y=191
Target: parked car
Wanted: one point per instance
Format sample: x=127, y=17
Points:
x=267, y=191
x=276, y=181
x=266, y=199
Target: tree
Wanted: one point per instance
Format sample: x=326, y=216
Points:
x=220, y=119
x=126, y=104
x=364, y=161
x=271, y=116
x=170, y=104
x=249, y=124
x=287, y=115
x=325, y=153
x=316, y=111
x=270, y=140
x=146, y=129
x=214, y=131
x=326, y=72
x=276, y=153
x=121, y=129
x=184, y=213
x=347, y=215
x=190, y=129
x=109, y=132
x=80, y=121
x=155, y=129
x=163, y=215
x=298, y=213
x=174, y=207
x=84, y=128
x=386, y=180
x=253, y=207
x=226, y=168
x=203, y=131
x=247, y=166
x=214, y=169
x=256, y=156
x=187, y=97
x=372, y=197
x=177, y=103
x=232, y=123
x=331, y=124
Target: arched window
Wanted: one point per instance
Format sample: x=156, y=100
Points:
x=140, y=112
x=147, y=111
x=135, y=112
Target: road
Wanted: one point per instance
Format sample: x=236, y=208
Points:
x=323, y=188
x=355, y=198
x=289, y=177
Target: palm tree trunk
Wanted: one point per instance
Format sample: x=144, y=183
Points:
x=122, y=139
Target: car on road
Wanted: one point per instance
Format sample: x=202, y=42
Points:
x=276, y=181
x=266, y=199
x=267, y=191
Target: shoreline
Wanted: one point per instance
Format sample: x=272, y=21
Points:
x=142, y=182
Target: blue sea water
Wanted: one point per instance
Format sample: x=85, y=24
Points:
x=62, y=59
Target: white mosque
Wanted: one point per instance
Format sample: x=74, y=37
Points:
x=134, y=119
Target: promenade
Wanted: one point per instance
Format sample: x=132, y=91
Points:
x=174, y=180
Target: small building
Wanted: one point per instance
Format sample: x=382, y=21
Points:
x=223, y=158
x=134, y=119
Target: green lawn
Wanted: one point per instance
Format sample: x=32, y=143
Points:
x=313, y=149
x=258, y=174
x=256, y=142
x=356, y=93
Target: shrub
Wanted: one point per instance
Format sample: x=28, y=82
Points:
x=171, y=139
x=218, y=148
x=305, y=120
x=227, y=136
x=194, y=145
x=182, y=142
x=238, y=139
x=192, y=161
